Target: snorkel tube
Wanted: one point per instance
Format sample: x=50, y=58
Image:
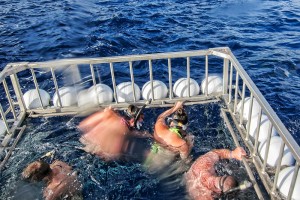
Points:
x=49, y=154
x=140, y=112
x=242, y=186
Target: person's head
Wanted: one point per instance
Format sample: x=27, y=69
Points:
x=135, y=116
x=36, y=171
x=227, y=183
x=179, y=119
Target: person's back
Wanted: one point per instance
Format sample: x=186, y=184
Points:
x=104, y=133
x=172, y=137
x=202, y=182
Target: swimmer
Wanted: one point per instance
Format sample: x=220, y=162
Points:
x=171, y=141
x=61, y=181
x=173, y=136
x=106, y=132
x=201, y=179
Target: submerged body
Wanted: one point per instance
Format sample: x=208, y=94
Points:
x=202, y=182
x=107, y=134
x=104, y=134
x=61, y=181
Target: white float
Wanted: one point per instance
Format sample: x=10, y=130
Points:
x=2, y=128
x=255, y=108
x=32, y=100
x=68, y=97
x=160, y=90
x=215, y=84
x=125, y=92
x=181, y=89
x=273, y=155
x=263, y=128
x=284, y=182
x=95, y=95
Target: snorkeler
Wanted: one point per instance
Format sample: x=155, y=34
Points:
x=172, y=136
x=105, y=133
x=201, y=179
x=171, y=140
x=61, y=181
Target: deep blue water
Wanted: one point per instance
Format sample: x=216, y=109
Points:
x=263, y=35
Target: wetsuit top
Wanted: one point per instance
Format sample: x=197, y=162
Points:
x=202, y=180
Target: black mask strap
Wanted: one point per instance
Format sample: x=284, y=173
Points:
x=140, y=111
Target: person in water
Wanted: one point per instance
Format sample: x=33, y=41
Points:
x=172, y=135
x=171, y=140
x=201, y=179
x=61, y=181
x=105, y=133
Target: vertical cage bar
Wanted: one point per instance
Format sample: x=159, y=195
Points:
x=292, y=186
x=132, y=80
x=278, y=167
x=111, y=66
x=249, y=116
x=37, y=87
x=257, y=132
x=95, y=82
x=243, y=103
x=188, y=75
x=56, y=86
x=267, y=147
x=236, y=92
x=151, y=78
x=11, y=105
x=4, y=119
x=93, y=74
x=225, y=75
x=230, y=83
x=206, y=75
x=170, y=79
x=17, y=89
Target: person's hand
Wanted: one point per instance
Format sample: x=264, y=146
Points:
x=239, y=153
x=178, y=105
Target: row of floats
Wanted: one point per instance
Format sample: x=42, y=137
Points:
x=287, y=163
x=101, y=93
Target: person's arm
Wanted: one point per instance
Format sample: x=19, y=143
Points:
x=167, y=113
x=238, y=153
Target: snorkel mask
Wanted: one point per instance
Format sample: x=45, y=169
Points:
x=179, y=119
x=134, y=112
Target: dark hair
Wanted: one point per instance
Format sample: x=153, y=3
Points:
x=132, y=111
x=36, y=171
x=180, y=116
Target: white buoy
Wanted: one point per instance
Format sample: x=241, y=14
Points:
x=263, y=128
x=125, y=92
x=95, y=95
x=255, y=108
x=68, y=97
x=273, y=152
x=32, y=100
x=2, y=128
x=160, y=90
x=215, y=84
x=284, y=182
x=181, y=89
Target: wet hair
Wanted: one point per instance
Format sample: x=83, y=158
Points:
x=36, y=171
x=132, y=111
x=180, y=116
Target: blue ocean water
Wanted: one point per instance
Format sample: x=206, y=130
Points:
x=263, y=35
